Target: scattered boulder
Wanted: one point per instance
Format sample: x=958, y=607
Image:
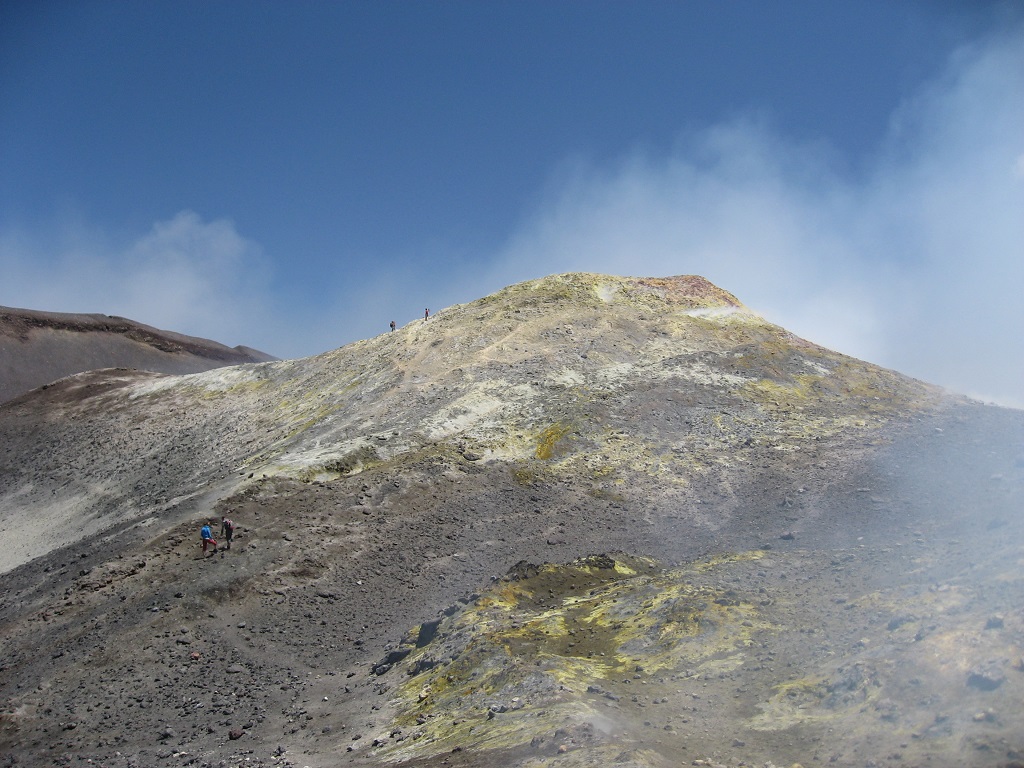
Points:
x=987, y=676
x=995, y=621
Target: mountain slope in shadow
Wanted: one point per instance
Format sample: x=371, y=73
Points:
x=37, y=348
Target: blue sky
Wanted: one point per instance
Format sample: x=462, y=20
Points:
x=294, y=175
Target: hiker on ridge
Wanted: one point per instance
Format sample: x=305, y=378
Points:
x=392, y=326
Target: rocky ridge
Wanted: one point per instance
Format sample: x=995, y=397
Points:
x=37, y=348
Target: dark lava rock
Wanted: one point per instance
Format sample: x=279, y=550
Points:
x=987, y=676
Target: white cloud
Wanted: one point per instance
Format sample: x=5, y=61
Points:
x=916, y=263
x=185, y=275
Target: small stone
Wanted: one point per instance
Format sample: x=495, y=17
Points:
x=987, y=676
x=235, y=733
x=898, y=621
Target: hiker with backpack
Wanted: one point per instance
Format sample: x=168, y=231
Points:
x=227, y=529
x=207, y=535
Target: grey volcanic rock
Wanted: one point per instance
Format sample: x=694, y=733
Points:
x=587, y=520
x=37, y=348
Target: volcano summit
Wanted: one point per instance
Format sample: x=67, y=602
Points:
x=587, y=520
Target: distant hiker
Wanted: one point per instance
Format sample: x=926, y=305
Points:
x=208, y=539
x=426, y=313
x=227, y=530
x=392, y=326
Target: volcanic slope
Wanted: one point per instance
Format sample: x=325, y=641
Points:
x=587, y=520
x=37, y=348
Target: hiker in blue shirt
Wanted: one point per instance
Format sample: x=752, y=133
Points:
x=208, y=540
